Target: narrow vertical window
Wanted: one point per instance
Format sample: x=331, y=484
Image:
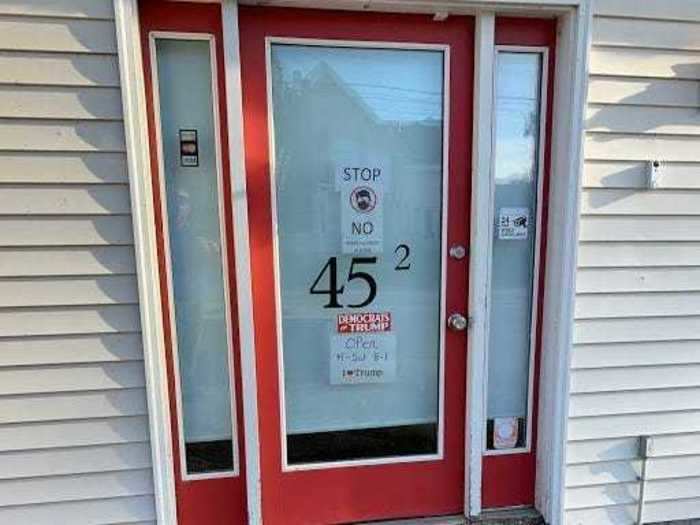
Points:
x=360, y=194
x=195, y=251
x=514, y=272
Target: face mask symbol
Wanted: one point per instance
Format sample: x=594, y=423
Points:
x=363, y=199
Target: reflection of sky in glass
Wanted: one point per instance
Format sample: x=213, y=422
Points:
x=516, y=144
x=386, y=81
x=517, y=115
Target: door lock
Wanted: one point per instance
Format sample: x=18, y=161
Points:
x=457, y=322
x=458, y=252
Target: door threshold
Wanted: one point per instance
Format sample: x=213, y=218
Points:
x=439, y=520
x=524, y=516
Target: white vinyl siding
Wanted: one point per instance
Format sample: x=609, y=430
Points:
x=636, y=357
x=74, y=445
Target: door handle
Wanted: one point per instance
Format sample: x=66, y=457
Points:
x=457, y=322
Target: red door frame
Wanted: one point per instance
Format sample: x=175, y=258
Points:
x=211, y=501
x=359, y=492
x=508, y=480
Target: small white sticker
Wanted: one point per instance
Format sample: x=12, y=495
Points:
x=505, y=432
x=363, y=358
x=513, y=223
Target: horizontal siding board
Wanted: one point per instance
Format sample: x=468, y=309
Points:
x=100, y=9
x=635, y=378
x=75, y=460
x=49, y=291
x=644, y=92
x=58, y=69
x=639, y=228
x=55, y=406
x=685, y=10
x=99, y=348
x=96, y=199
x=635, y=202
x=631, y=402
x=669, y=148
x=635, y=354
x=626, y=174
x=61, y=135
x=628, y=471
x=607, y=305
x=27, y=491
x=633, y=425
x=654, y=34
x=602, y=495
x=615, y=449
x=64, y=231
x=644, y=254
x=643, y=120
x=79, y=260
x=73, y=378
x=634, y=62
x=641, y=279
x=21, y=33
x=602, y=473
x=54, y=102
x=624, y=493
x=631, y=330
x=654, y=512
x=63, y=434
x=46, y=167
x=69, y=320
x=92, y=512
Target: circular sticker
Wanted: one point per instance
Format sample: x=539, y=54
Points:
x=363, y=199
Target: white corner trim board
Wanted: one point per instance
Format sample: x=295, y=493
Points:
x=570, y=92
x=141, y=192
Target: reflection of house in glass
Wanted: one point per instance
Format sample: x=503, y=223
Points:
x=370, y=123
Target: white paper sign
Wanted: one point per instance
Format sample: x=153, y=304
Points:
x=513, y=223
x=362, y=190
x=505, y=432
x=363, y=358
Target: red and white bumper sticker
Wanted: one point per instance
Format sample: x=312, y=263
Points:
x=363, y=322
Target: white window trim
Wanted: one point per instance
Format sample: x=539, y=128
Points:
x=361, y=44
x=479, y=267
x=570, y=97
x=569, y=103
x=543, y=52
x=153, y=37
x=241, y=241
x=143, y=217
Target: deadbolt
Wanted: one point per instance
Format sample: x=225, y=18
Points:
x=458, y=251
x=457, y=322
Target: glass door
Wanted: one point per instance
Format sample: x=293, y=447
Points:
x=357, y=143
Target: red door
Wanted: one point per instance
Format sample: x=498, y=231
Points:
x=356, y=126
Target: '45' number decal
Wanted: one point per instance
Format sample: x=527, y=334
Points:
x=333, y=290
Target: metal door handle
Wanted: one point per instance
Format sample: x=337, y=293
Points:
x=457, y=322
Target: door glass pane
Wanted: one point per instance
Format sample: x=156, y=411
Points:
x=517, y=136
x=190, y=180
x=358, y=138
